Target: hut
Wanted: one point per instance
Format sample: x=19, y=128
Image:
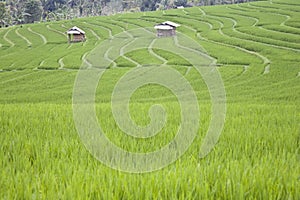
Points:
x=75, y=34
x=166, y=29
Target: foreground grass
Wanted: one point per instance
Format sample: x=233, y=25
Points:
x=42, y=157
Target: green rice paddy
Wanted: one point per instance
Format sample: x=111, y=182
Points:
x=257, y=49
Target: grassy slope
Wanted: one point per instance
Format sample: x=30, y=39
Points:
x=257, y=46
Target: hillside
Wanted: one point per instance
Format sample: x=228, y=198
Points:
x=255, y=44
x=14, y=12
x=254, y=47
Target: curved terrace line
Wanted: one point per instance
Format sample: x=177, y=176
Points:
x=150, y=50
x=264, y=59
x=16, y=78
x=12, y=44
x=61, y=63
x=83, y=58
x=56, y=31
x=36, y=33
x=256, y=20
x=95, y=34
x=23, y=37
x=253, y=40
x=126, y=45
x=110, y=35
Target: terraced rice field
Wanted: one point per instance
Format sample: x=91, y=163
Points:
x=256, y=47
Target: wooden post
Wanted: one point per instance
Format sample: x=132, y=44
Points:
x=69, y=38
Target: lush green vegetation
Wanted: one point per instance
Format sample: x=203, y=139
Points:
x=14, y=12
x=257, y=48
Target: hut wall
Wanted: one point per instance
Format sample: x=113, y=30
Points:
x=165, y=33
x=78, y=38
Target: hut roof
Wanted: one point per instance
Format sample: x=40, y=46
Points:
x=75, y=30
x=167, y=25
x=170, y=23
x=163, y=27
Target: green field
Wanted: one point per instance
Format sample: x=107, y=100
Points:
x=257, y=50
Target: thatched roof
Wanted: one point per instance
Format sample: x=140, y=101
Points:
x=75, y=30
x=170, y=23
x=163, y=27
x=167, y=25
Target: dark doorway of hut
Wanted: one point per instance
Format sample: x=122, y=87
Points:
x=75, y=34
